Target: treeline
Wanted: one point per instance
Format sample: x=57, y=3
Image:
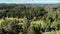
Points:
x=30, y=11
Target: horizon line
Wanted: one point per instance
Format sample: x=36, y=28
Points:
x=29, y=3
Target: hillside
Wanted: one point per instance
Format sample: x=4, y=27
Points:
x=29, y=19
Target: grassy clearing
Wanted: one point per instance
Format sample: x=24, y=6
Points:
x=1, y=20
x=58, y=32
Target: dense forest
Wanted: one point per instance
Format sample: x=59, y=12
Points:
x=29, y=19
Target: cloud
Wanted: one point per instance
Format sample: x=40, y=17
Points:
x=29, y=1
x=39, y=1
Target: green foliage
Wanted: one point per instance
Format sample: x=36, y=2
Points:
x=47, y=17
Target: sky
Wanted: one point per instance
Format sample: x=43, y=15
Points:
x=30, y=1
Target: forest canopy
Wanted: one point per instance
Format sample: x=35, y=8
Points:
x=25, y=19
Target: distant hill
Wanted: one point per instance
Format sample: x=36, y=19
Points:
x=5, y=6
x=57, y=4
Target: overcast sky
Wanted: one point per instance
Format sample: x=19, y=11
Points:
x=29, y=1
